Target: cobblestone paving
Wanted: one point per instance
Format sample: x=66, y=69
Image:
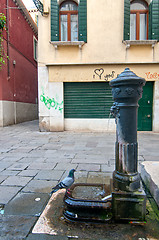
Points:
x=32, y=162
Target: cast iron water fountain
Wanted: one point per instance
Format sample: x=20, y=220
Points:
x=125, y=200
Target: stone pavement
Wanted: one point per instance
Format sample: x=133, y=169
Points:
x=32, y=162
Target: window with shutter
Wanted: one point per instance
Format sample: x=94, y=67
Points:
x=69, y=21
x=143, y=23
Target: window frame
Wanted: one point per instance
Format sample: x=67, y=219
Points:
x=68, y=13
x=35, y=48
x=138, y=12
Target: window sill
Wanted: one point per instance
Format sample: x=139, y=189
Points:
x=129, y=43
x=69, y=43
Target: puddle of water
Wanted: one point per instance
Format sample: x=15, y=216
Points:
x=88, y=192
x=1, y=209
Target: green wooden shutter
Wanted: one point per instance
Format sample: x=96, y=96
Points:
x=150, y=21
x=155, y=19
x=126, y=19
x=87, y=100
x=82, y=21
x=54, y=20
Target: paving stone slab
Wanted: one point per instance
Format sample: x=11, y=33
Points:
x=28, y=204
x=28, y=173
x=42, y=166
x=5, y=150
x=18, y=166
x=65, y=166
x=89, y=167
x=60, y=154
x=35, y=153
x=2, y=178
x=58, y=160
x=15, y=227
x=80, y=176
x=16, y=181
x=49, y=175
x=100, y=177
x=5, y=165
x=9, y=173
x=7, y=193
x=107, y=168
x=31, y=159
x=43, y=186
x=10, y=159
x=92, y=160
x=14, y=156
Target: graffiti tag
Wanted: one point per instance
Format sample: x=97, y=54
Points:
x=107, y=76
x=51, y=103
x=154, y=75
x=100, y=71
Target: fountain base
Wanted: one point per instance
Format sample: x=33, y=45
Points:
x=84, y=203
x=129, y=206
x=93, y=203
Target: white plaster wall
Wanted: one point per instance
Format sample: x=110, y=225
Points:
x=99, y=125
x=43, y=90
x=51, y=117
x=16, y=112
x=56, y=110
x=156, y=107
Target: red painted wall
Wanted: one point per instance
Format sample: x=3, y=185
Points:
x=21, y=83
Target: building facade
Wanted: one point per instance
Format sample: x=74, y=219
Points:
x=18, y=77
x=85, y=44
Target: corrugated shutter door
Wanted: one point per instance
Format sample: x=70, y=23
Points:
x=87, y=100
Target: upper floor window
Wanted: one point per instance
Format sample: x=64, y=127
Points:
x=138, y=20
x=68, y=21
x=35, y=48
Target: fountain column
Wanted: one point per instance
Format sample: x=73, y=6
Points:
x=127, y=89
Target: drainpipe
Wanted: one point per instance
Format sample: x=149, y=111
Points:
x=8, y=53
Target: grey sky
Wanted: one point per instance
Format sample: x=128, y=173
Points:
x=29, y=3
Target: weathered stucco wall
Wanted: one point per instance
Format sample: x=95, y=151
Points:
x=102, y=58
x=104, y=39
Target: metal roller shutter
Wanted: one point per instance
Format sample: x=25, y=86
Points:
x=87, y=100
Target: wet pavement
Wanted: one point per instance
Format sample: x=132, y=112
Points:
x=32, y=162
